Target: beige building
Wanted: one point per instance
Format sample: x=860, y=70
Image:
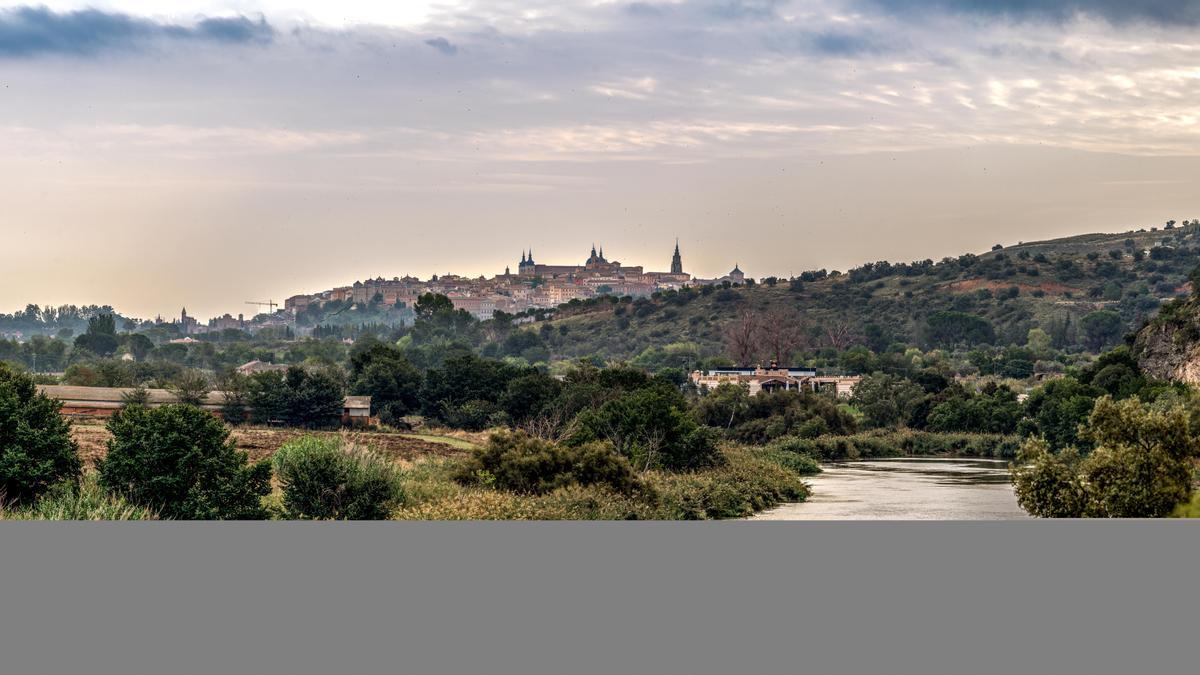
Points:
x=775, y=378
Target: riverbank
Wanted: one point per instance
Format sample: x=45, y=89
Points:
x=907, y=443
x=907, y=488
x=750, y=481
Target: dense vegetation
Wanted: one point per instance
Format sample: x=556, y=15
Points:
x=952, y=364
x=36, y=449
x=178, y=460
x=324, y=479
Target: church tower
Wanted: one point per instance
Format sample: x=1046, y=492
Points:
x=676, y=261
x=527, y=266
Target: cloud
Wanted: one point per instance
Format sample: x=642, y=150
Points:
x=443, y=45
x=1166, y=12
x=35, y=31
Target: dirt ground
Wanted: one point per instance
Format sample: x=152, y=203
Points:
x=92, y=438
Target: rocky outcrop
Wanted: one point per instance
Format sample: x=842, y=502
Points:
x=1168, y=347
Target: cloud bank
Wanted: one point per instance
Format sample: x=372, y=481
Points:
x=36, y=31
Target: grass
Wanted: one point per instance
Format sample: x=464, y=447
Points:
x=456, y=443
x=84, y=500
x=751, y=480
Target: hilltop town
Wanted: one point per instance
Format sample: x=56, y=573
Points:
x=534, y=285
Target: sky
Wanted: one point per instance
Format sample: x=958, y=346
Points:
x=215, y=152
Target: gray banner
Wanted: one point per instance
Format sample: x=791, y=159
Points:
x=729, y=598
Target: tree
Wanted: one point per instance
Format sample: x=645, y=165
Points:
x=723, y=406
x=783, y=332
x=741, y=337
x=269, y=397
x=954, y=329
x=461, y=379
x=1038, y=341
x=191, y=387
x=323, y=478
x=383, y=373
x=651, y=428
x=36, y=449
x=528, y=395
x=139, y=346
x=994, y=410
x=1140, y=467
x=1055, y=410
x=316, y=398
x=236, y=388
x=520, y=463
x=101, y=336
x=839, y=334
x=886, y=400
x=179, y=461
x=1101, y=329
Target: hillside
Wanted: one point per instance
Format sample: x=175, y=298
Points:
x=1086, y=292
x=1168, y=346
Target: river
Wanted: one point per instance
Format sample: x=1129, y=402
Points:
x=907, y=488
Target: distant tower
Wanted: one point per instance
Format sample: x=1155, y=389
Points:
x=676, y=261
x=527, y=266
x=183, y=321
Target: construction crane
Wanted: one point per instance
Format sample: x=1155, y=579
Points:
x=270, y=303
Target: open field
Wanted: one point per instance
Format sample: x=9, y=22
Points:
x=92, y=438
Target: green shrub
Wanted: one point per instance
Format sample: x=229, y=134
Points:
x=801, y=464
x=903, y=442
x=323, y=478
x=36, y=449
x=82, y=500
x=652, y=429
x=473, y=415
x=748, y=482
x=179, y=461
x=517, y=462
x=1140, y=467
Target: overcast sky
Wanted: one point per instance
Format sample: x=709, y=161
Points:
x=231, y=151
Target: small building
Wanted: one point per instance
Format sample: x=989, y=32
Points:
x=356, y=411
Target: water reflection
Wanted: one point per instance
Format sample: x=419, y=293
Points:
x=907, y=488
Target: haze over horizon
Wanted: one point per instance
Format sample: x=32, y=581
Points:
x=238, y=150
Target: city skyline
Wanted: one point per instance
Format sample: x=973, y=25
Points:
x=230, y=150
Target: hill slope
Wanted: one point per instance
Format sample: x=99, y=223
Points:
x=1085, y=291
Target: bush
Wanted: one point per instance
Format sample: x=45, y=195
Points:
x=517, y=462
x=383, y=373
x=312, y=399
x=649, y=426
x=324, y=479
x=747, y=480
x=904, y=442
x=474, y=415
x=179, y=461
x=36, y=449
x=82, y=500
x=801, y=463
x=1140, y=468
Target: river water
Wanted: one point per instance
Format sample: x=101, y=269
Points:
x=907, y=488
